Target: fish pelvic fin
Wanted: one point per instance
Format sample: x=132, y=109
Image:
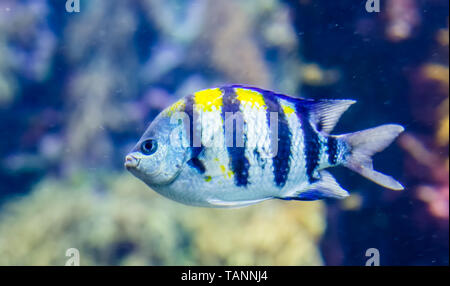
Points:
x=325, y=187
x=364, y=144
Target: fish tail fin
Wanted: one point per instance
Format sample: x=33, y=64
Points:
x=364, y=144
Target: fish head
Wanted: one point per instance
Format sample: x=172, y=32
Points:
x=158, y=157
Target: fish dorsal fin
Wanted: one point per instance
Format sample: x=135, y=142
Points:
x=325, y=113
x=325, y=187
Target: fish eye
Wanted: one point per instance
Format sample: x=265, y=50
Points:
x=149, y=147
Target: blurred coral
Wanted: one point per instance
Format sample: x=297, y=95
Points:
x=403, y=18
x=430, y=156
x=117, y=220
x=315, y=75
x=232, y=48
x=27, y=45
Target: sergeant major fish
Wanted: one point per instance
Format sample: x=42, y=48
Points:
x=284, y=158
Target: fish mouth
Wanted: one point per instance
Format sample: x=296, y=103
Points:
x=131, y=162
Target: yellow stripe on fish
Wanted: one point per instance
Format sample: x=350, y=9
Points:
x=208, y=100
x=252, y=97
x=287, y=109
x=208, y=104
x=176, y=107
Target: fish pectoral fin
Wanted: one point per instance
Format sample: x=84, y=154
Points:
x=234, y=204
x=325, y=187
x=326, y=113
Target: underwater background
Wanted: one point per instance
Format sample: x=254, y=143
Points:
x=78, y=89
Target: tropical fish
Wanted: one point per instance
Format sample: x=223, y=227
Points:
x=238, y=145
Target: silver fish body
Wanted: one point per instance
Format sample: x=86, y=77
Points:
x=236, y=145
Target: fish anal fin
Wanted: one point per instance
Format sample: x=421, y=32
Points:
x=325, y=187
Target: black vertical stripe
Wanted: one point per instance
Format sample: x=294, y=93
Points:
x=281, y=160
x=332, y=150
x=194, y=132
x=311, y=141
x=238, y=162
x=197, y=164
